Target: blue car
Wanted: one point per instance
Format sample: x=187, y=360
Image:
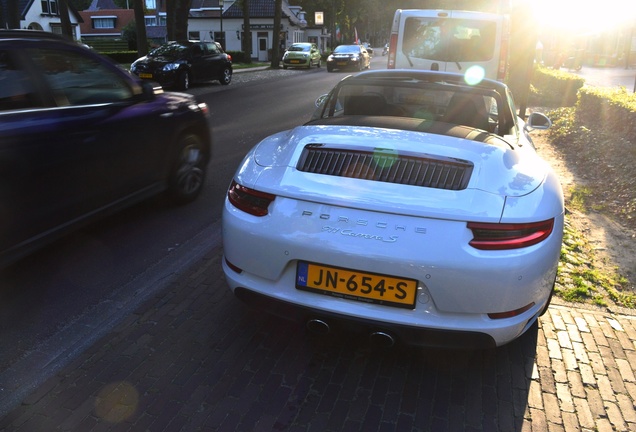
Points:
x=81, y=137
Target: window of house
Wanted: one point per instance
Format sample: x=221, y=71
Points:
x=151, y=21
x=151, y=4
x=49, y=7
x=104, y=22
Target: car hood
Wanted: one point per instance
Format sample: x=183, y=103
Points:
x=297, y=53
x=157, y=61
x=498, y=172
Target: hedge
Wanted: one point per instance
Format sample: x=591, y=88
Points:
x=612, y=109
x=555, y=88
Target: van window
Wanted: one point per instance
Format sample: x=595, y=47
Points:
x=449, y=40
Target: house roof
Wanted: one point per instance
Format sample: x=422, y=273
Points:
x=261, y=9
x=102, y=4
x=25, y=5
x=205, y=9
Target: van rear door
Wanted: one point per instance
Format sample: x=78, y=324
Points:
x=450, y=41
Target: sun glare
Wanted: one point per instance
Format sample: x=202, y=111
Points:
x=585, y=16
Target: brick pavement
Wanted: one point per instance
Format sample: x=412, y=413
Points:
x=195, y=358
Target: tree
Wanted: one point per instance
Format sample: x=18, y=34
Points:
x=79, y=5
x=140, y=26
x=246, y=43
x=278, y=12
x=13, y=15
x=177, y=12
x=67, y=29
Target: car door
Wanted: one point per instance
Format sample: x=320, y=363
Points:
x=199, y=62
x=215, y=59
x=75, y=145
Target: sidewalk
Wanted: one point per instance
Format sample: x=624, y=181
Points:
x=609, y=77
x=195, y=358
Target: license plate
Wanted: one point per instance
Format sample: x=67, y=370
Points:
x=341, y=63
x=145, y=75
x=294, y=61
x=356, y=285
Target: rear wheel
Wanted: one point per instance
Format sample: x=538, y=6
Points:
x=188, y=170
x=226, y=78
x=319, y=63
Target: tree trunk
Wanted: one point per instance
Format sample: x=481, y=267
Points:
x=278, y=12
x=140, y=27
x=177, y=12
x=13, y=15
x=67, y=29
x=246, y=43
x=181, y=20
x=171, y=8
x=524, y=40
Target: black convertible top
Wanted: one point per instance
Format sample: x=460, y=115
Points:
x=413, y=124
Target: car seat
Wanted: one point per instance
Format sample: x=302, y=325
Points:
x=468, y=110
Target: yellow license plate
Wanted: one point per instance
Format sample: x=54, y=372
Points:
x=294, y=61
x=145, y=75
x=356, y=285
x=341, y=63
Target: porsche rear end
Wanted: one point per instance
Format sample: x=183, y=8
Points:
x=453, y=246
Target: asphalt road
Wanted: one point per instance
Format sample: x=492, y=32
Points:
x=57, y=301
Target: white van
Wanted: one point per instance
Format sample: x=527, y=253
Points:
x=449, y=40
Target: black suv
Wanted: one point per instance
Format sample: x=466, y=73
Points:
x=81, y=137
x=178, y=64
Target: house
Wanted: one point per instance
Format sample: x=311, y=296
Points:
x=206, y=22
x=104, y=20
x=40, y=15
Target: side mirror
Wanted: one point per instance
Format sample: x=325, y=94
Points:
x=150, y=89
x=321, y=100
x=537, y=121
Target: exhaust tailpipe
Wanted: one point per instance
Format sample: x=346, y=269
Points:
x=318, y=326
x=381, y=339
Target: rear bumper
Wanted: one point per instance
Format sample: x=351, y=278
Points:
x=410, y=335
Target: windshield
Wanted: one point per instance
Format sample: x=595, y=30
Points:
x=170, y=50
x=347, y=49
x=449, y=39
x=299, y=48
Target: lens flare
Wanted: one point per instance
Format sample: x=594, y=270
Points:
x=474, y=75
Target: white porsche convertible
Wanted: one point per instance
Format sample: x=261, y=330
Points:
x=413, y=206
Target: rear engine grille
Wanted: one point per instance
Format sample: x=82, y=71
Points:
x=387, y=166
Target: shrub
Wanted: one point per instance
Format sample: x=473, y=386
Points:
x=555, y=88
x=611, y=109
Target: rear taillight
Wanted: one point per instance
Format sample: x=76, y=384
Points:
x=249, y=200
x=392, y=51
x=500, y=236
x=229, y=57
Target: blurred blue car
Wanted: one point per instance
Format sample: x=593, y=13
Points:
x=81, y=137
